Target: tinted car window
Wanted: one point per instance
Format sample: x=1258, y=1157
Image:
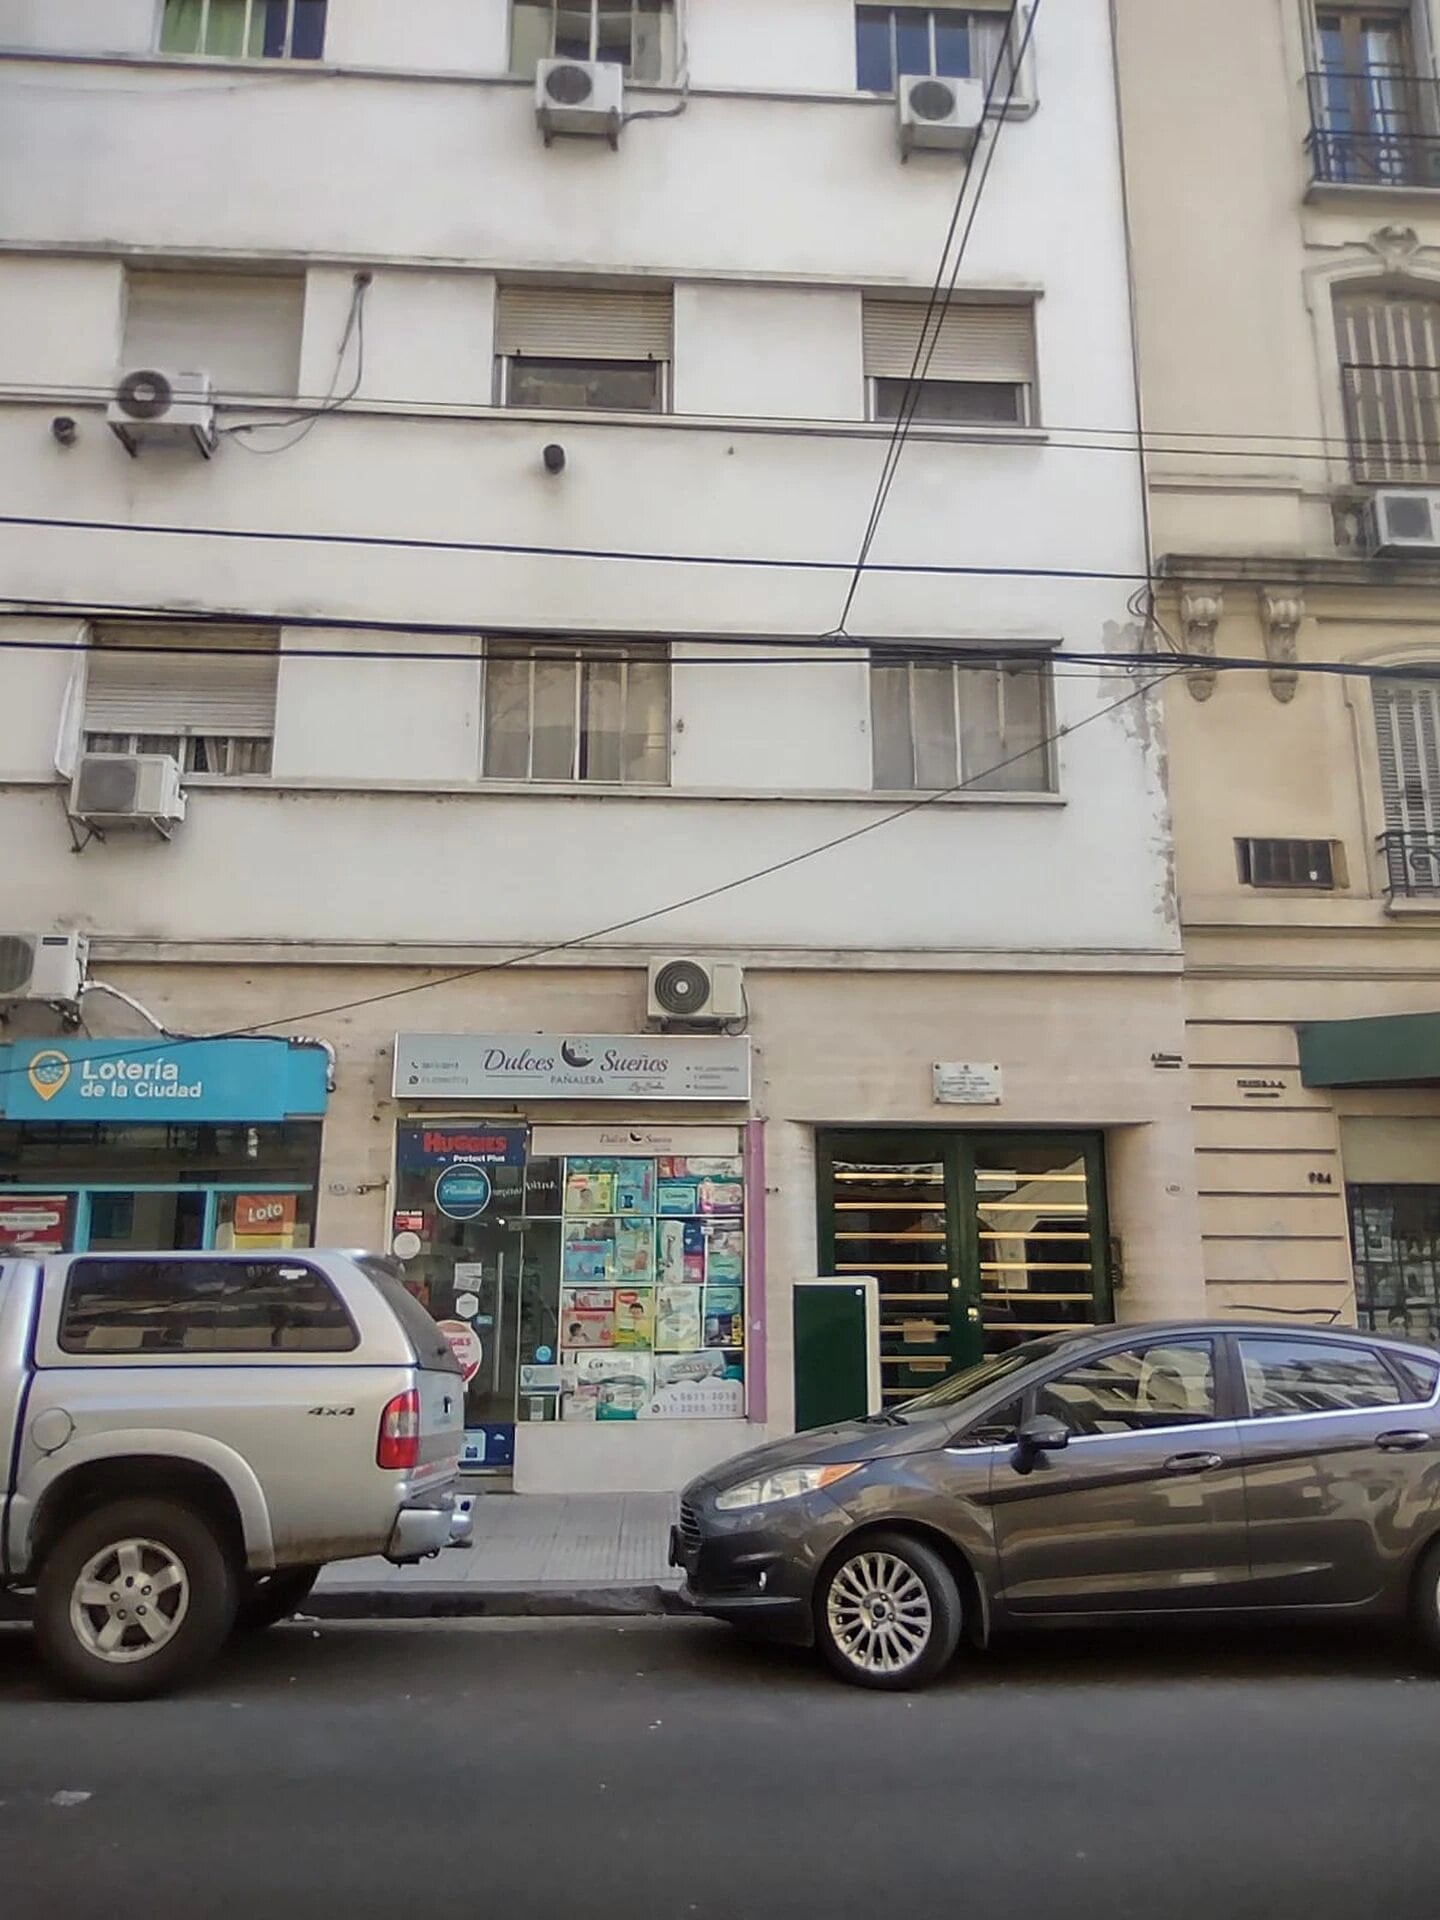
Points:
x=432, y=1349
x=1421, y=1377
x=1312, y=1376
x=1164, y=1384
x=202, y=1306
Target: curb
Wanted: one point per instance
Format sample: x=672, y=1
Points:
x=495, y=1603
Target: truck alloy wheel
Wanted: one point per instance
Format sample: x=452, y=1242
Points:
x=133, y=1599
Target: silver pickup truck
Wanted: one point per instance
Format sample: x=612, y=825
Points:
x=187, y=1438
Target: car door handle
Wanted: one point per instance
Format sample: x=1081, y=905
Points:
x=1403, y=1440
x=1193, y=1462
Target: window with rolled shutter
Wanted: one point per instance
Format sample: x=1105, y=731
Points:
x=977, y=360
x=204, y=694
x=1390, y=374
x=575, y=347
x=243, y=329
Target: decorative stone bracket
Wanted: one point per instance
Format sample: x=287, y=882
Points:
x=1200, y=615
x=1280, y=617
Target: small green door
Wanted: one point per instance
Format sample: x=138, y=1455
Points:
x=978, y=1240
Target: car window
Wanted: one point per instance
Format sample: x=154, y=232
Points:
x=202, y=1306
x=432, y=1349
x=1421, y=1376
x=1162, y=1384
x=992, y=1429
x=1313, y=1376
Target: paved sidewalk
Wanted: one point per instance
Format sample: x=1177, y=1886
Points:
x=533, y=1554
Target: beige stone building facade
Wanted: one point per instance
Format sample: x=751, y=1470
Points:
x=1283, y=160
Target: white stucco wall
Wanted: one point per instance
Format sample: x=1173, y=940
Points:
x=771, y=204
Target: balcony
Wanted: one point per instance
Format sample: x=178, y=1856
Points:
x=1412, y=865
x=1374, y=128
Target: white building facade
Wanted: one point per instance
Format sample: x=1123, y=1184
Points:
x=486, y=635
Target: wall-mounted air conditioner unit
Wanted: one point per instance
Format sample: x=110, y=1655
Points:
x=42, y=966
x=935, y=111
x=580, y=96
x=1402, y=520
x=128, y=790
x=710, y=992
x=155, y=407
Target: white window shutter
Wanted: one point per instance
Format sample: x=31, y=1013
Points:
x=1407, y=735
x=244, y=330
x=976, y=341
x=570, y=323
x=180, y=683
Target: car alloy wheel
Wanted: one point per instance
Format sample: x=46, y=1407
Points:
x=130, y=1599
x=879, y=1613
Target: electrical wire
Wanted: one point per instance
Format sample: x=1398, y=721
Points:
x=923, y=357
x=415, y=543
x=1041, y=436
x=354, y=329
x=1064, y=663
x=721, y=888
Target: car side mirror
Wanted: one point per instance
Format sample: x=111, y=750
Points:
x=1042, y=1433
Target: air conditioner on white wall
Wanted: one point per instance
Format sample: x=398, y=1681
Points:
x=42, y=966
x=156, y=406
x=938, y=112
x=128, y=790
x=580, y=96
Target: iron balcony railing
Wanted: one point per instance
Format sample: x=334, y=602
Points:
x=1374, y=128
x=1412, y=865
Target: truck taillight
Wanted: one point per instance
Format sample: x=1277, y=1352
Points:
x=398, y=1445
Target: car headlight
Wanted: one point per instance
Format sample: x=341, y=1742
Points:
x=786, y=1484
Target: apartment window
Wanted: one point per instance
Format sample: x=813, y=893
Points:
x=561, y=710
x=960, y=42
x=1390, y=373
x=242, y=329
x=206, y=695
x=638, y=35
x=1287, y=863
x=1407, y=740
x=574, y=349
x=244, y=29
x=1372, y=115
x=981, y=371
x=947, y=723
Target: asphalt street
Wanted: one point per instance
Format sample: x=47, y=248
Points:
x=657, y=1769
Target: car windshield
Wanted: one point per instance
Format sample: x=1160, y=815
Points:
x=971, y=1380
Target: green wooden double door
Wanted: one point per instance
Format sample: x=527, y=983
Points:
x=978, y=1240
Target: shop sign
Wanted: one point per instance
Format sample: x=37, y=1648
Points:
x=422, y=1149
x=718, y=1142
x=463, y=1192
x=968, y=1083
x=264, y=1219
x=146, y=1079
x=465, y=1344
x=590, y=1066
x=31, y=1223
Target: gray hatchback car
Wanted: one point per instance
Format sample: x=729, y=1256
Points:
x=1135, y=1472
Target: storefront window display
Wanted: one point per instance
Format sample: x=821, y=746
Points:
x=579, y=1287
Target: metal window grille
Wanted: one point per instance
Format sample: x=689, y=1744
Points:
x=244, y=29
x=1286, y=863
x=561, y=712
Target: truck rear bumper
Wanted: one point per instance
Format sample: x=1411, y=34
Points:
x=443, y=1520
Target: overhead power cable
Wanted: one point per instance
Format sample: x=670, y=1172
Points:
x=705, y=894
x=925, y=353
